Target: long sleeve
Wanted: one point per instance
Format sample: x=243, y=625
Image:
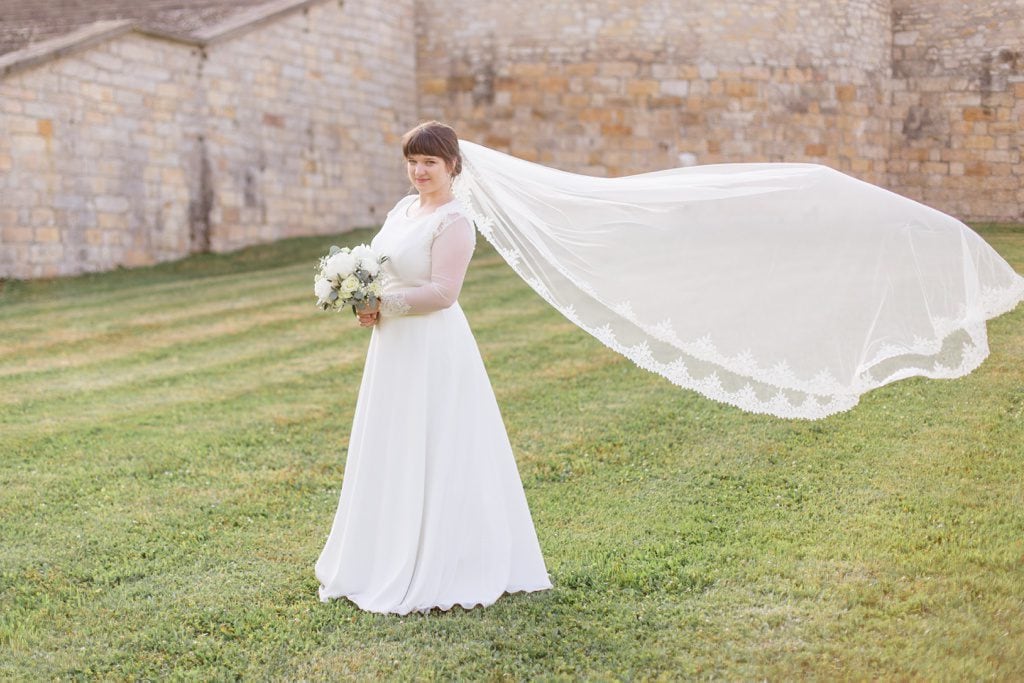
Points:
x=450, y=254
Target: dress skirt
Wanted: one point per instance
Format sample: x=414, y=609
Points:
x=432, y=511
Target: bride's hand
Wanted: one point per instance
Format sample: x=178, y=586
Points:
x=368, y=317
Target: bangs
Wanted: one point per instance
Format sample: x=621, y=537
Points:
x=426, y=142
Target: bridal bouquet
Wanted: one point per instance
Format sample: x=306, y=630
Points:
x=348, y=277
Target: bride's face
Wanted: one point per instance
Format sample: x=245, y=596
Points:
x=428, y=174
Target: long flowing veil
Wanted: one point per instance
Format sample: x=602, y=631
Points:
x=782, y=288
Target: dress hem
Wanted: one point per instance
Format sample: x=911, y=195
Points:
x=444, y=607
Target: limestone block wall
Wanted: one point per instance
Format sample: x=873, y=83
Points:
x=136, y=148
x=125, y=147
x=94, y=157
x=303, y=121
x=610, y=87
x=958, y=106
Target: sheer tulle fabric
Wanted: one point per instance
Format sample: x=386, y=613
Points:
x=432, y=512
x=787, y=289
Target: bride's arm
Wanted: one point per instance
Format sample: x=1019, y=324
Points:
x=449, y=258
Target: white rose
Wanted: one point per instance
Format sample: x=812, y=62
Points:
x=350, y=284
x=375, y=289
x=322, y=288
x=340, y=265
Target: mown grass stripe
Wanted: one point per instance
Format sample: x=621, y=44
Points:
x=225, y=339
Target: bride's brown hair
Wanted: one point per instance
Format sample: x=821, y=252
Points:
x=434, y=139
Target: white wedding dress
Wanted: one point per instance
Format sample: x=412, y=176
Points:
x=432, y=511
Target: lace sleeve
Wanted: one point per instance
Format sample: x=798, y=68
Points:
x=450, y=254
x=394, y=303
x=452, y=218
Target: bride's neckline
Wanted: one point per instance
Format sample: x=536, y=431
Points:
x=429, y=213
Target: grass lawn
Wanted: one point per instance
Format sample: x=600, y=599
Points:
x=172, y=442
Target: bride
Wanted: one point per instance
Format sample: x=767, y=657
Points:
x=785, y=289
x=432, y=511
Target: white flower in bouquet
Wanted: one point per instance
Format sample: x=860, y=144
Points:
x=370, y=266
x=339, y=265
x=322, y=288
x=365, y=258
x=349, y=285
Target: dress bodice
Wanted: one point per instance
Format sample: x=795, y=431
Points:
x=406, y=241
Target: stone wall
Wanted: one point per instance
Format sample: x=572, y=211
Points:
x=610, y=87
x=121, y=146
x=958, y=116
x=924, y=98
x=304, y=120
x=93, y=158
x=134, y=148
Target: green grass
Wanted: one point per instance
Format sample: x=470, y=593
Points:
x=173, y=441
